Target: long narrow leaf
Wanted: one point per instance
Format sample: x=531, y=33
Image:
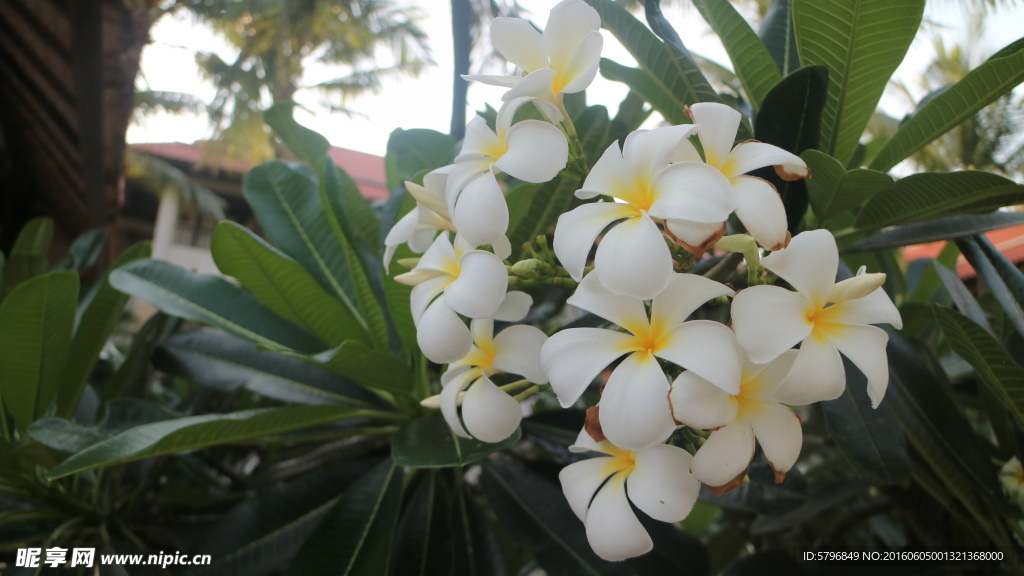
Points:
x=98, y=315
x=36, y=322
x=779, y=37
x=210, y=299
x=750, y=58
x=28, y=256
x=979, y=88
x=371, y=368
x=979, y=259
x=948, y=228
x=283, y=285
x=194, y=432
x=862, y=42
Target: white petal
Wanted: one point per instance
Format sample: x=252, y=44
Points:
x=479, y=140
x=724, y=455
x=536, y=84
x=700, y=404
x=875, y=308
x=865, y=347
x=718, y=125
x=625, y=311
x=422, y=239
x=692, y=191
x=809, y=264
x=573, y=358
x=450, y=399
x=424, y=293
x=661, y=484
x=817, y=374
x=612, y=528
x=482, y=330
x=856, y=287
x=514, y=307
x=608, y=175
x=695, y=233
x=502, y=247
x=580, y=481
x=584, y=443
x=769, y=320
x=568, y=24
x=490, y=414
x=439, y=257
x=760, y=209
x=481, y=214
x=503, y=80
x=506, y=113
x=576, y=231
x=748, y=156
x=518, y=352
x=769, y=375
x=777, y=429
x=537, y=151
x=684, y=294
x=633, y=259
x=634, y=404
x=519, y=42
x=401, y=232
x=648, y=151
x=707, y=348
x=686, y=152
x=480, y=287
x=441, y=334
x=581, y=68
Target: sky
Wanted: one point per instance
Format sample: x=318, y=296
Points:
x=168, y=63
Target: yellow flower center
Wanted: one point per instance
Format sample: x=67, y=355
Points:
x=823, y=320
x=620, y=460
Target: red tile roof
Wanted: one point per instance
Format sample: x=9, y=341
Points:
x=366, y=169
x=1009, y=241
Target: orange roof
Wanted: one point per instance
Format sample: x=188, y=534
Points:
x=366, y=169
x=1009, y=241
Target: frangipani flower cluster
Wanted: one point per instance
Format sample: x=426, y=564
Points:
x=659, y=362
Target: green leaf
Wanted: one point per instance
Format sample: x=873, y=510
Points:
x=429, y=443
x=790, y=118
x=84, y=251
x=209, y=299
x=931, y=194
x=410, y=152
x=861, y=42
x=98, y=315
x=869, y=438
x=979, y=88
x=779, y=37
x=1008, y=271
x=534, y=512
x=649, y=87
x=594, y=131
x=264, y=532
x=28, y=256
x=677, y=74
x=36, y=323
x=286, y=200
x=971, y=248
x=283, y=285
x=750, y=58
x=477, y=551
x=195, y=432
x=423, y=544
x=962, y=297
x=3, y=263
x=120, y=415
x=371, y=368
x=834, y=189
x=820, y=500
x=993, y=364
x=353, y=212
x=355, y=537
x=935, y=427
x=213, y=358
x=948, y=228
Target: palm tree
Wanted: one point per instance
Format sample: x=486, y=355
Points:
x=277, y=39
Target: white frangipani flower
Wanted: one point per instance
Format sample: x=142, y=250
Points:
x=469, y=282
x=632, y=258
x=634, y=405
x=489, y=414
x=825, y=317
x=531, y=150
x=419, y=226
x=755, y=412
x=563, y=60
x=758, y=205
x=656, y=479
